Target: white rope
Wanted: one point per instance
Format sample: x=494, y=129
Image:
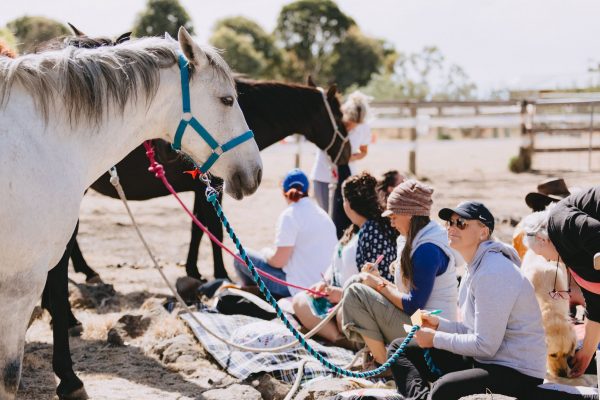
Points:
x=114, y=180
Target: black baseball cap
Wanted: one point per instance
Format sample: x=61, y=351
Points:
x=470, y=210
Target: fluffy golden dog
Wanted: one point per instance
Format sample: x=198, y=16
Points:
x=560, y=335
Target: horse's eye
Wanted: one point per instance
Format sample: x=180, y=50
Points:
x=227, y=100
x=554, y=355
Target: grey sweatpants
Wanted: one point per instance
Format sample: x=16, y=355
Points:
x=366, y=312
x=322, y=194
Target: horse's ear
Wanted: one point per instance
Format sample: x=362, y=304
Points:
x=76, y=31
x=310, y=82
x=191, y=50
x=332, y=91
x=123, y=38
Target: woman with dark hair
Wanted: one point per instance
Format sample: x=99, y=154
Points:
x=369, y=236
x=304, y=241
x=375, y=310
x=387, y=183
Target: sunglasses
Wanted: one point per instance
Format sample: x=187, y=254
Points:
x=460, y=223
x=563, y=294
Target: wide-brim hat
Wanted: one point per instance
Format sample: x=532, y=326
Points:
x=549, y=191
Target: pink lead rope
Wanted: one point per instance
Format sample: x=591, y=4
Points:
x=159, y=172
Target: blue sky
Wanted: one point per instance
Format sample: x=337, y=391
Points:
x=515, y=43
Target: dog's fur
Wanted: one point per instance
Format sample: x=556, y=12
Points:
x=560, y=335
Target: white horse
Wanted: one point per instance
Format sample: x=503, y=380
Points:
x=65, y=118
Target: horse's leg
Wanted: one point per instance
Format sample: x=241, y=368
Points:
x=191, y=265
x=80, y=265
x=19, y=293
x=56, y=295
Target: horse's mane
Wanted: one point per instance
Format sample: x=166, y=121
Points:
x=88, y=81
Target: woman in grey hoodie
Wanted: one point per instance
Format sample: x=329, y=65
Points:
x=499, y=343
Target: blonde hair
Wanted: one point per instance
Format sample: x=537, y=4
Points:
x=356, y=107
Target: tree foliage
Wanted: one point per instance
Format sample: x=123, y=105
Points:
x=162, y=16
x=311, y=29
x=248, y=48
x=31, y=31
x=355, y=59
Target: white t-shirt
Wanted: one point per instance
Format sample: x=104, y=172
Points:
x=321, y=170
x=309, y=229
x=359, y=136
x=343, y=263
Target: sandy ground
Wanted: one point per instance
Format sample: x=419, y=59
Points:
x=458, y=170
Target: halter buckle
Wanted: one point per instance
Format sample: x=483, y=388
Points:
x=218, y=150
x=187, y=116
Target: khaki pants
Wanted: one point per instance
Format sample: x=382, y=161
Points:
x=366, y=312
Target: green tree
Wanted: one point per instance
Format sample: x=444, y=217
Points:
x=162, y=16
x=239, y=53
x=311, y=29
x=31, y=31
x=355, y=59
x=263, y=50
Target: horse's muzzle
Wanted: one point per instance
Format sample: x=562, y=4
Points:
x=243, y=182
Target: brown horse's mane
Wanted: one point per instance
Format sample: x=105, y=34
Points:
x=6, y=51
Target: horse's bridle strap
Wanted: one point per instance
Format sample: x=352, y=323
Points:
x=336, y=131
x=189, y=120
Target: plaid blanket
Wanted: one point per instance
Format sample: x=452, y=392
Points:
x=256, y=332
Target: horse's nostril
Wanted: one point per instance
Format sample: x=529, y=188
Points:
x=258, y=176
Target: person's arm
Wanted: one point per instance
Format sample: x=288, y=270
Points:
x=427, y=261
x=363, y=150
x=592, y=334
x=584, y=356
x=495, y=296
x=285, y=239
x=281, y=257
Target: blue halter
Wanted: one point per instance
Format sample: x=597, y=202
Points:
x=188, y=119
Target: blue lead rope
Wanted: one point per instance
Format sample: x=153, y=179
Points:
x=211, y=196
x=216, y=148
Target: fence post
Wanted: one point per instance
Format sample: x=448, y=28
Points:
x=298, y=138
x=526, y=150
x=412, y=154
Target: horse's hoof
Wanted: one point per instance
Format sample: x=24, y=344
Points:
x=76, y=330
x=95, y=279
x=77, y=394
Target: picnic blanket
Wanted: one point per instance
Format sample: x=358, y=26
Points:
x=256, y=332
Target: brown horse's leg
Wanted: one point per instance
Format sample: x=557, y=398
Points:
x=191, y=267
x=56, y=296
x=80, y=265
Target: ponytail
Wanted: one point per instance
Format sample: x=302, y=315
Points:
x=295, y=194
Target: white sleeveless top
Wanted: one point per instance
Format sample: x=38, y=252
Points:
x=444, y=295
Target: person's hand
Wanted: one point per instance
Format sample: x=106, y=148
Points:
x=320, y=286
x=334, y=294
x=581, y=361
x=370, y=268
x=370, y=280
x=430, y=321
x=424, y=337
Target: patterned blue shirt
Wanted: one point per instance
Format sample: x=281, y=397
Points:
x=374, y=239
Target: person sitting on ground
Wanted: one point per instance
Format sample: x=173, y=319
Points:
x=570, y=232
x=387, y=183
x=304, y=242
x=375, y=310
x=549, y=191
x=499, y=344
x=369, y=236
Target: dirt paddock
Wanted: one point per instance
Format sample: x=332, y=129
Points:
x=165, y=362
